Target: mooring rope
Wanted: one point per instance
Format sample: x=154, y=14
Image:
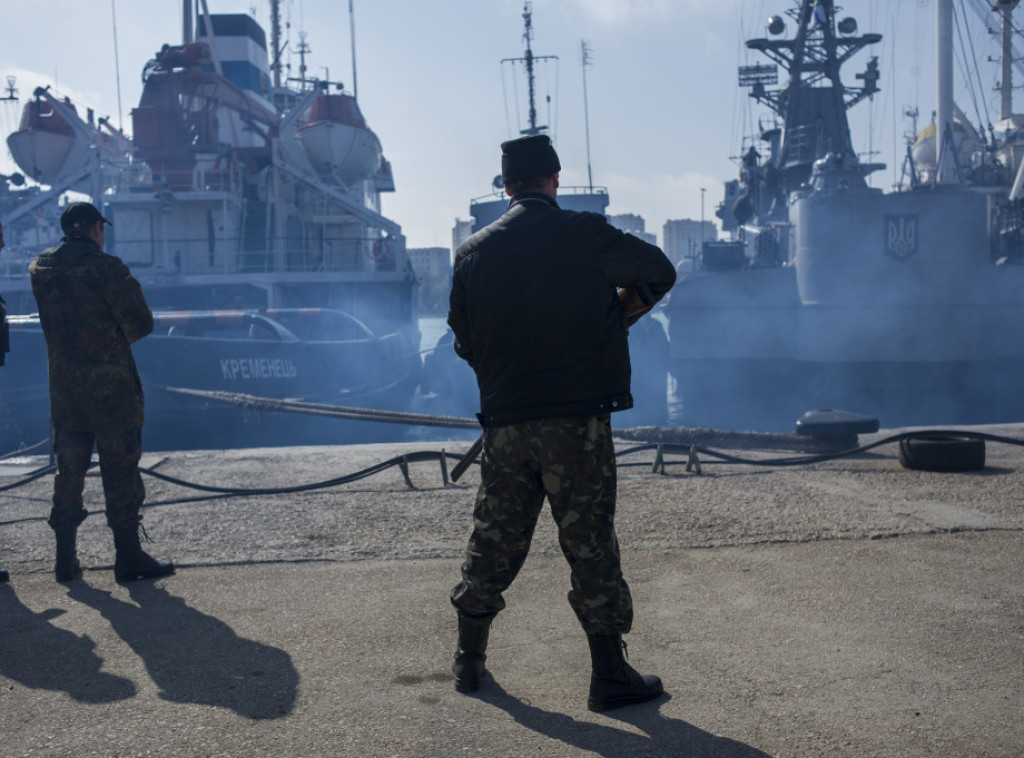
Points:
x=257, y=403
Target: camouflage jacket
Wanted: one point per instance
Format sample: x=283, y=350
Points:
x=91, y=309
x=5, y=339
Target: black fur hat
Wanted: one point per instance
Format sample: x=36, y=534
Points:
x=527, y=157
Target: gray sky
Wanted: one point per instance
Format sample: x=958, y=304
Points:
x=665, y=111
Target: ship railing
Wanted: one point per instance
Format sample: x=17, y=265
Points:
x=581, y=190
x=332, y=254
x=207, y=176
x=499, y=194
x=802, y=144
x=129, y=179
x=14, y=267
x=213, y=254
x=215, y=178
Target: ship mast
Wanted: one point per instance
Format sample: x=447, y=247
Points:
x=529, y=59
x=944, y=143
x=1006, y=85
x=187, y=34
x=302, y=50
x=585, y=61
x=275, y=41
x=528, y=36
x=814, y=102
x=352, y=31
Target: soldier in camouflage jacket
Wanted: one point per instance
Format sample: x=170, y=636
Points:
x=5, y=344
x=91, y=309
x=4, y=347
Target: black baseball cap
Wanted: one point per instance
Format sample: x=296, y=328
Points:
x=77, y=217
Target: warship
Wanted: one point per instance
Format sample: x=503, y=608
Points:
x=827, y=293
x=248, y=205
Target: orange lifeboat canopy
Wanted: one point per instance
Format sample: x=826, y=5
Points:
x=339, y=109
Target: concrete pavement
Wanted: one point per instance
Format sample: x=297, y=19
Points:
x=848, y=608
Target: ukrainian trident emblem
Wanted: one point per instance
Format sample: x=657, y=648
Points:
x=900, y=236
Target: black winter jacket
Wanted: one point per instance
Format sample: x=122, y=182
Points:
x=535, y=310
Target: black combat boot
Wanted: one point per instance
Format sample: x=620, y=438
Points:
x=131, y=562
x=469, y=655
x=614, y=682
x=66, y=567
x=4, y=576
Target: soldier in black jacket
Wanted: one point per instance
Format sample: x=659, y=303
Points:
x=540, y=304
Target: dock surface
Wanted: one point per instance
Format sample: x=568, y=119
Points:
x=845, y=608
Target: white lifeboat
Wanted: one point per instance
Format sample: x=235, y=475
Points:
x=47, y=146
x=53, y=144
x=923, y=149
x=337, y=141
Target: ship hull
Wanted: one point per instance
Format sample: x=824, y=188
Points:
x=893, y=306
x=771, y=395
x=192, y=362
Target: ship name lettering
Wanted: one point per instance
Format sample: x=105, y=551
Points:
x=258, y=368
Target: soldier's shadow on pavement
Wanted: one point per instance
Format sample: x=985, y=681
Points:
x=661, y=736
x=196, y=658
x=41, y=656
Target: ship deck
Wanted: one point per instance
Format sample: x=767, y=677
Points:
x=850, y=607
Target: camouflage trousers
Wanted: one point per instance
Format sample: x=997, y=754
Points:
x=119, y=451
x=571, y=461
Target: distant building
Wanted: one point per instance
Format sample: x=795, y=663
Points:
x=632, y=224
x=434, y=271
x=460, y=232
x=682, y=238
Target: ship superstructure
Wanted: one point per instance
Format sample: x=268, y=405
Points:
x=235, y=192
x=829, y=293
x=219, y=198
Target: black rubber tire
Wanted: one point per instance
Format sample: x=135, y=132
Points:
x=943, y=453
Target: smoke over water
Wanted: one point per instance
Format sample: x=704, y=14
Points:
x=319, y=356
x=914, y=341
x=892, y=305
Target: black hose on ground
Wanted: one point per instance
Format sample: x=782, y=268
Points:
x=820, y=458
x=431, y=455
